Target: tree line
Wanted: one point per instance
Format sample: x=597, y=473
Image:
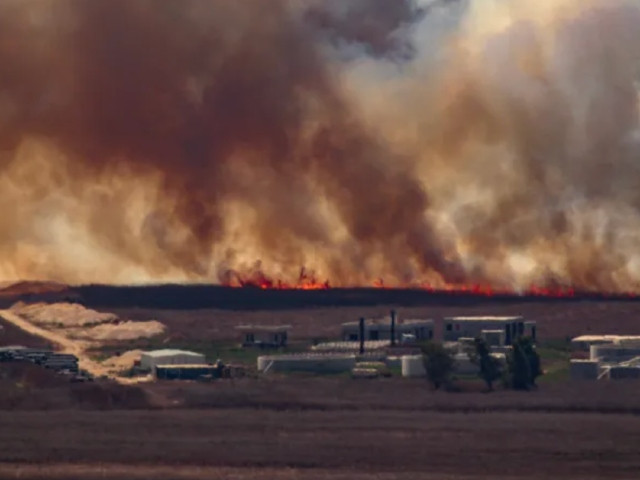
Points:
x=519, y=372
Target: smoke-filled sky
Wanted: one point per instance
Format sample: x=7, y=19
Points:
x=491, y=142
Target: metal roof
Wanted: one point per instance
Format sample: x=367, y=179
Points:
x=484, y=319
x=170, y=351
x=387, y=321
x=264, y=328
x=604, y=338
x=11, y=348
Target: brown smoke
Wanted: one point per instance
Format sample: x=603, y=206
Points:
x=210, y=140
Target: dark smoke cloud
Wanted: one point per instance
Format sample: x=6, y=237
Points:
x=217, y=140
x=378, y=26
x=225, y=102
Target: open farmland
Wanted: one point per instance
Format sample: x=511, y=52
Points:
x=324, y=444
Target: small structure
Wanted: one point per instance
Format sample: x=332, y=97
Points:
x=613, y=353
x=413, y=366
x=584, y=343
x=459, y=327
x=381, y=329
x=264, y=336
x=493, y=338
x=149, y=360
x=584, y=369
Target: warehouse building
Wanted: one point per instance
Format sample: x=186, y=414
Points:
x=149, y=360
x=487, y=326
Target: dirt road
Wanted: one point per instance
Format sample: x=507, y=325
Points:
x=66, y=345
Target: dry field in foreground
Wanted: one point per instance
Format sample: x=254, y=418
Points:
x=397, y=444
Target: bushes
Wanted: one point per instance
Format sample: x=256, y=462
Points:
x=490, y=367
x=523, y=365
x=438, y=363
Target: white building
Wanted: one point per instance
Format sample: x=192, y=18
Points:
x=380, y=329
x=583, y=343
x=474, y=327
x=264, y=336
x=149, y=360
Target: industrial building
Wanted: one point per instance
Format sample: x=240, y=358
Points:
x=583, y=343
x=611, y=357
x=59, y=362
x=264, y=336
x=149, y=360
x=381, y=329
x=513, y=327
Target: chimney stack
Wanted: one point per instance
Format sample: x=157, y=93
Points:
x=393, y=328
x=361, y=335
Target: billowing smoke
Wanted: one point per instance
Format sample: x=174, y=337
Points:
x=410, y=141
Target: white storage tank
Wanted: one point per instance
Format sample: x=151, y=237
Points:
x=584, y=369
x=413, y=366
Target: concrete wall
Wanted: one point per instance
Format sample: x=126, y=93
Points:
x=584, y=370
x=306, y=363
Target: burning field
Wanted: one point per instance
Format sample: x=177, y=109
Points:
x=440, y=144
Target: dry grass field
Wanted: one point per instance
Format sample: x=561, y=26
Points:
x=367, y=444
x=300, y=427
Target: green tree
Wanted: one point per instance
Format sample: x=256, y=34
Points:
x=490, y=367
x=438, y=363
x=523, y=364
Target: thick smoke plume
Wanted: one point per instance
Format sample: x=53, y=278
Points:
x=413, y=142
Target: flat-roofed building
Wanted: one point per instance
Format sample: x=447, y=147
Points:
x=583, y=343
x=473, y=327
x=264, y=336
x=380, y=329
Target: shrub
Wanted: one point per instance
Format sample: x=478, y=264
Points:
x=490, y=367
x=438, y=363
x=523, y=365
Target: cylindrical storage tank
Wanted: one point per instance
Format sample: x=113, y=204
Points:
x=413, y=366
x=584, y=370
